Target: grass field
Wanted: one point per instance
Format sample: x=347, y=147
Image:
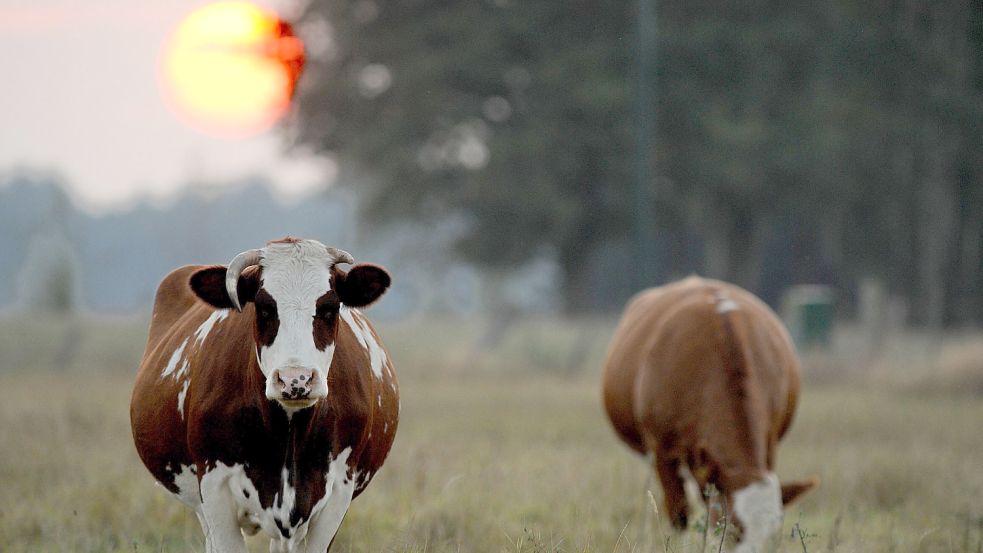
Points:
x=506, y=451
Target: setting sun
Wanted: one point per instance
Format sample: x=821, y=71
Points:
x=230, y=68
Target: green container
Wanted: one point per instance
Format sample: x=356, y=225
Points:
x=809, y=311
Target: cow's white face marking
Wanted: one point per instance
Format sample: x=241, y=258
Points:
x=295, y=275
x=759, y=508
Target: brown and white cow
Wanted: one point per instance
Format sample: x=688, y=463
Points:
x=701, y=375
x=265, y=400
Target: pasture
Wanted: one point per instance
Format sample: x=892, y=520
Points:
x=506, y=451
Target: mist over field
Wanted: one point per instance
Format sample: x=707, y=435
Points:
x=115, y=260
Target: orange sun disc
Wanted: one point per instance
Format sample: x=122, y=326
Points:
x=230, y=68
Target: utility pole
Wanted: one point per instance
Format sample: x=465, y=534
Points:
x=643, y=185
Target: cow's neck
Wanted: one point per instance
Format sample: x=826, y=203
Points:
x=279, y=423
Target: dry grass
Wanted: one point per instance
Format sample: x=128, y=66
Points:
x=507, y=451
x=959, y=369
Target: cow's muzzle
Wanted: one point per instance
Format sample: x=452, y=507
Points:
x=295, y=385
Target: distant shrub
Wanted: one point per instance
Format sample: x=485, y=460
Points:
x=49, y=279
x=960, y=368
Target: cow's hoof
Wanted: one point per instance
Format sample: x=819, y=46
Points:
x=680, y=520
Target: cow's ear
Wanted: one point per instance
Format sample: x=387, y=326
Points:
x=792, y=490
x=209, y=285
x=362, y=285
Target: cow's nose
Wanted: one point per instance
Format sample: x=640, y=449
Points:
x=295, y=383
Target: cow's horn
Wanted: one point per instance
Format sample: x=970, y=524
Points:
x=245, y=259
x=340, y=256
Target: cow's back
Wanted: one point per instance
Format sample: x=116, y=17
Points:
x=172, y=301
x=696, y=356
x=156, y=411
x=643, y=319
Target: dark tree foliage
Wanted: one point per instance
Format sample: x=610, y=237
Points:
x=510, y=114
x=797, y=141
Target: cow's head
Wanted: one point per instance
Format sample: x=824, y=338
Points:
x=756, y=506
x=296, y=291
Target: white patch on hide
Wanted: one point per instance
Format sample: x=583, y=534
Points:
x=725, y=305
x=206, y=326
x=180, y=397
x=227, y=489
x=377, y=355
x=173, y=361
x=187, y=485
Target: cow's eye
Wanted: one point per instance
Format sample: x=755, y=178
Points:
x=264, y=313
x=326, y=312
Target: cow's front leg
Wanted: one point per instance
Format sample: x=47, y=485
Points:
x=667, y=469
x=218, y=514
x=338, y=493
x=325, y=524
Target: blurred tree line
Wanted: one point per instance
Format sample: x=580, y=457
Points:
x=796, y=141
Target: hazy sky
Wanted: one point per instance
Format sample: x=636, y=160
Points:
x=79, y=95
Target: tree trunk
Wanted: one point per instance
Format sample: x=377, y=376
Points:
x=575, y=262
x=831, y=265
x=747, y=242
x=936, y=225
x=946, y=41
x=716, y=245
x=965, y=303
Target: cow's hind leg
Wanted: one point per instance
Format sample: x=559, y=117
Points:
x=667, y=467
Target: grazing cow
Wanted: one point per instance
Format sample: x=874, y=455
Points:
x=701, y=375
x=265, y=400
